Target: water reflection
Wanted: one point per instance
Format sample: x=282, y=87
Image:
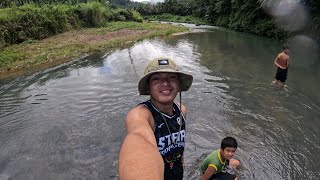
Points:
x=68, y=122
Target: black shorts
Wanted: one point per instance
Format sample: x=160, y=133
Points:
x=226, y=174
x=223, y=176
x=176, y=173
x=281, y=74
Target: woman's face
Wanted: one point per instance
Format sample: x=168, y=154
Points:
x=163, y=87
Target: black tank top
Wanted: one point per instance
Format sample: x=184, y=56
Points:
x=170, y=147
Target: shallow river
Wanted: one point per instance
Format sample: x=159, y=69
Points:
x=67, y=122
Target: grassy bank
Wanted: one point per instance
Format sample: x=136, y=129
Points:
x=176, y=18
x=30, y=22
x=70, y=45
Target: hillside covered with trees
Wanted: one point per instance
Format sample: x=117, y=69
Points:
x=271, y=18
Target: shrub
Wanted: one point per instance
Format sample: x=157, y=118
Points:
x=18, y=24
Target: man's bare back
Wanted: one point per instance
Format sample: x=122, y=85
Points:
x=282, y=60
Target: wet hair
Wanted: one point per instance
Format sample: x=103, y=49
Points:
x=229, y=142
x=285, y=46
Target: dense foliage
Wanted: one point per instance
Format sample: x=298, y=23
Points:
x=30, y=21
x=11, y=3
x=242, y=15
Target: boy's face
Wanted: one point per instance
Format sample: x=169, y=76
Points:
x=228, y=152
x=164, y=87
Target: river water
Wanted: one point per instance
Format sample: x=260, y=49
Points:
x=68, y=122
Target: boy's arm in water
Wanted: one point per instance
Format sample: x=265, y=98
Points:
x=208, y=173
x=139, y=156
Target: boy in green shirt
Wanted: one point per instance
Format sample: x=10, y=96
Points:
x=217, y=164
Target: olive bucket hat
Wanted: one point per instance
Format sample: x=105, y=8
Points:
x=163, y=65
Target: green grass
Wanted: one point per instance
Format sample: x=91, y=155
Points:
x=114, y=26
x=175, y=18
x=74, y=44
x=18, y=24
x=9, y=56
